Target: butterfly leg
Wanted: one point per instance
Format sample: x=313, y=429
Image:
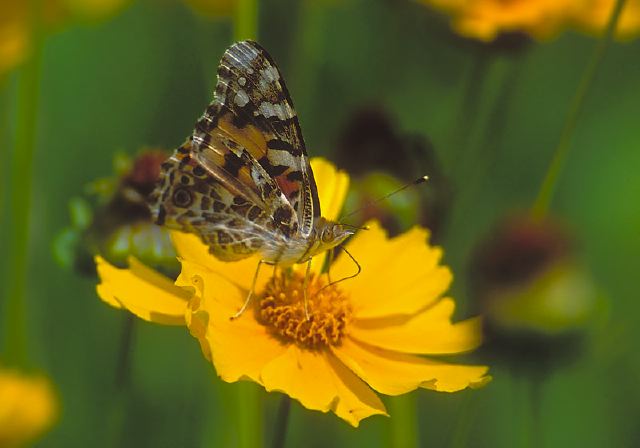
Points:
x=305, y=285
x=250, y=295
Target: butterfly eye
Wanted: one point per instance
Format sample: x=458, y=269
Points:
x=327, y=235
x=182, y=198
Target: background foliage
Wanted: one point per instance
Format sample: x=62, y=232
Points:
x=142, y=77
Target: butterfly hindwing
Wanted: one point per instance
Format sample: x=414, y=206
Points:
x=227, y=215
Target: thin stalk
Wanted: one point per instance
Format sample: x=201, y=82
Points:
x=467, y=118
x=535, y=404
x=403, y=422
x=548, y=186
x=248, y=415
x=20, y=192
x=282, y=422
x=123, y=367
x=462, y=428
x=245, y=21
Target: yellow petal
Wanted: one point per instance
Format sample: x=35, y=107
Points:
x=320, y=382
x=332, y=187
x=395, y=373
x=332, y=190
x=143, y=291
x=399, y=275
x=428, y=332
x=239, y=348
x=303, y=375
x=196, y=254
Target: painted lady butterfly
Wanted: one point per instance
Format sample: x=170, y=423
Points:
x=242, y=181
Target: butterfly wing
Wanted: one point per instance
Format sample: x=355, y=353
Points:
x=253, y=108
x=221, y=207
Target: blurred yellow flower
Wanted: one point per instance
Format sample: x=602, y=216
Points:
x=28, y=407
x=486, y=19
x=17, y=19
x=591, y=16
x=364, y=333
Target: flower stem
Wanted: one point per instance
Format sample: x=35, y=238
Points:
x=282, y=422
x=403, y=421
x=474, y=90
x=20, y=189
x=547, y=188
x=245, y=20
x=248, y=415
x=462, y=429
x=123, y=367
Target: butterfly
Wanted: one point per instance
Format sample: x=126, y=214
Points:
x=242, y=181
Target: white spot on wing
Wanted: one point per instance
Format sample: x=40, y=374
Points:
x=241, y=98
x=242, y=81
x=274, y=110
x=270, y=74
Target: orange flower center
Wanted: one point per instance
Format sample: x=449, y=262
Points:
x=281, y=308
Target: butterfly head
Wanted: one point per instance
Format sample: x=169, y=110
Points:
x=329, y=234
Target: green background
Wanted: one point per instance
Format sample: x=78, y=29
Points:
x=143, y=77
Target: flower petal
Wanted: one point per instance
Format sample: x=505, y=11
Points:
x=320, y=382
x=196, y=260
x=399, y=275
x=428, y=332
x=143, y=291
x=332, y=187
x=239, y=348
x=395, y=373
x=332, y=190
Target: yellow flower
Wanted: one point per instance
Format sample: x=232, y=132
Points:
x=591, y=16
x=28, y=407
x=16, y=22
x=364, y=334
x=486, y=19
x=541, y=19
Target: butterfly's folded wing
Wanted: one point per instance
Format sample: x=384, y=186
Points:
x=243, y=180
x=224, y=208
x=253, y=108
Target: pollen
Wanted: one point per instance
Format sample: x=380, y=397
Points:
x=281, y=308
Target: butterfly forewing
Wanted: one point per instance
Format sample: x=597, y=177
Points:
x=253, y=108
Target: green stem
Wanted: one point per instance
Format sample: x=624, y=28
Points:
x=547, y=188
x=535, y=402
x=462, y=428
x=282, y=422
x=245, y=20
x=468, y=114
x=123, y=367
x=249, y=428
x=20, y=189
x=403, y=421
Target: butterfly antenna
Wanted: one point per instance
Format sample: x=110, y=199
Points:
x=418, y=181
x=351, y=226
